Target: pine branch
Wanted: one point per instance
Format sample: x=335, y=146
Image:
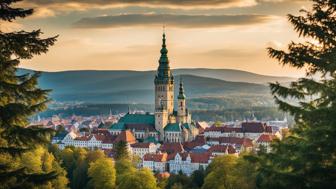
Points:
x=9, y=14
x=27, y=137
x=286, y=92
x=24, y=45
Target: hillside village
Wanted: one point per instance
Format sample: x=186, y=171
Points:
x=165, y=156
x=167, y=140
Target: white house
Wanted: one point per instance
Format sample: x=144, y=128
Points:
x=188, y=162
x=140, y=149
x=155, y=162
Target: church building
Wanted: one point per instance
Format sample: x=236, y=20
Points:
x=167, y=124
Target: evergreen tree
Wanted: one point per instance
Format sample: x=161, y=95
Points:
x=20, y=98
x=307, y=157
x=121, y=151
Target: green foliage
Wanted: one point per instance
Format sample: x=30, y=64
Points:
x=103, y=173
x=307, y=157
x=76, y=162
x=197, y=178
x=20, y=98
x=139, y=179
x=123, y=167
x=230, y=172
x=121, y=150
x=179, y=181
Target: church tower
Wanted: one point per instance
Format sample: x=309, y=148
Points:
x=181, y=101
x=164, y=91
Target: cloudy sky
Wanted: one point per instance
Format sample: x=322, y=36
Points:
x=126, y=34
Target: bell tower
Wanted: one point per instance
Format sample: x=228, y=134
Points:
x=164, y=90
x=181, y=101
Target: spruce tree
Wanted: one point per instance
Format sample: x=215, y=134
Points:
x=20, y=98
x=307, y=157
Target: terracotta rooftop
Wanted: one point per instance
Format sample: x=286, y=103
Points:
x=255, y=127
x=126, y=136
x=266, y=138
x=200, y=158
x=246, y=142
x=223, y=129
x=172, y=147
x=141, y=145
x=162, y=157
x=195, y=157
x=222, y=149
x=199, y=141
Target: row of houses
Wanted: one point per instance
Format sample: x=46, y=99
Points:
x=176, y=156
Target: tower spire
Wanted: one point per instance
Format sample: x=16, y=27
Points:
x=181, y=90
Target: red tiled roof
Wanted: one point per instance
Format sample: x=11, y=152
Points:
x=183, y=155
x=126, y=136
x=199, y=141
x=100, y=131
x=223, y=129
x=233, y=140
x=195, y=157
x=266, y=138
x=83, y=138
x=255, y=127
x=200, y=157
x=222, y=148
x=141, y=145
x=156, y=157
x=172, y=147
x=109, y=139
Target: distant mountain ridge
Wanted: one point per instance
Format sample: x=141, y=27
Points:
x=223, y=74
x=138, y=87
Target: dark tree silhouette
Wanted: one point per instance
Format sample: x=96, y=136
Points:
x=307, y=157
x=20, y=98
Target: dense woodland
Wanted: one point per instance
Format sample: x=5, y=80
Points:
x=305, y=158
x=229, y=114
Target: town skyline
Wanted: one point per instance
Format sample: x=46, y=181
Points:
x=99, y=35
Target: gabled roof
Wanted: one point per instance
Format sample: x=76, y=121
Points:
x=246, y=142
x=126, y=136
x=255, y=127
x=141, y=145
x=109, y=139
x=173, y=127
x=200, y=157
x=172, y=147
x=138, y=119
x=199, y=141
x=266, y=138
x=222, y=149
x=194, y=157
x=223, y=129
x=156, y=157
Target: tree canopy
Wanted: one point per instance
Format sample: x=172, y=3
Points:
x=21, y=98
x=306, y=158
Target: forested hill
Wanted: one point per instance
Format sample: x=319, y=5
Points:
x=137, y=86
